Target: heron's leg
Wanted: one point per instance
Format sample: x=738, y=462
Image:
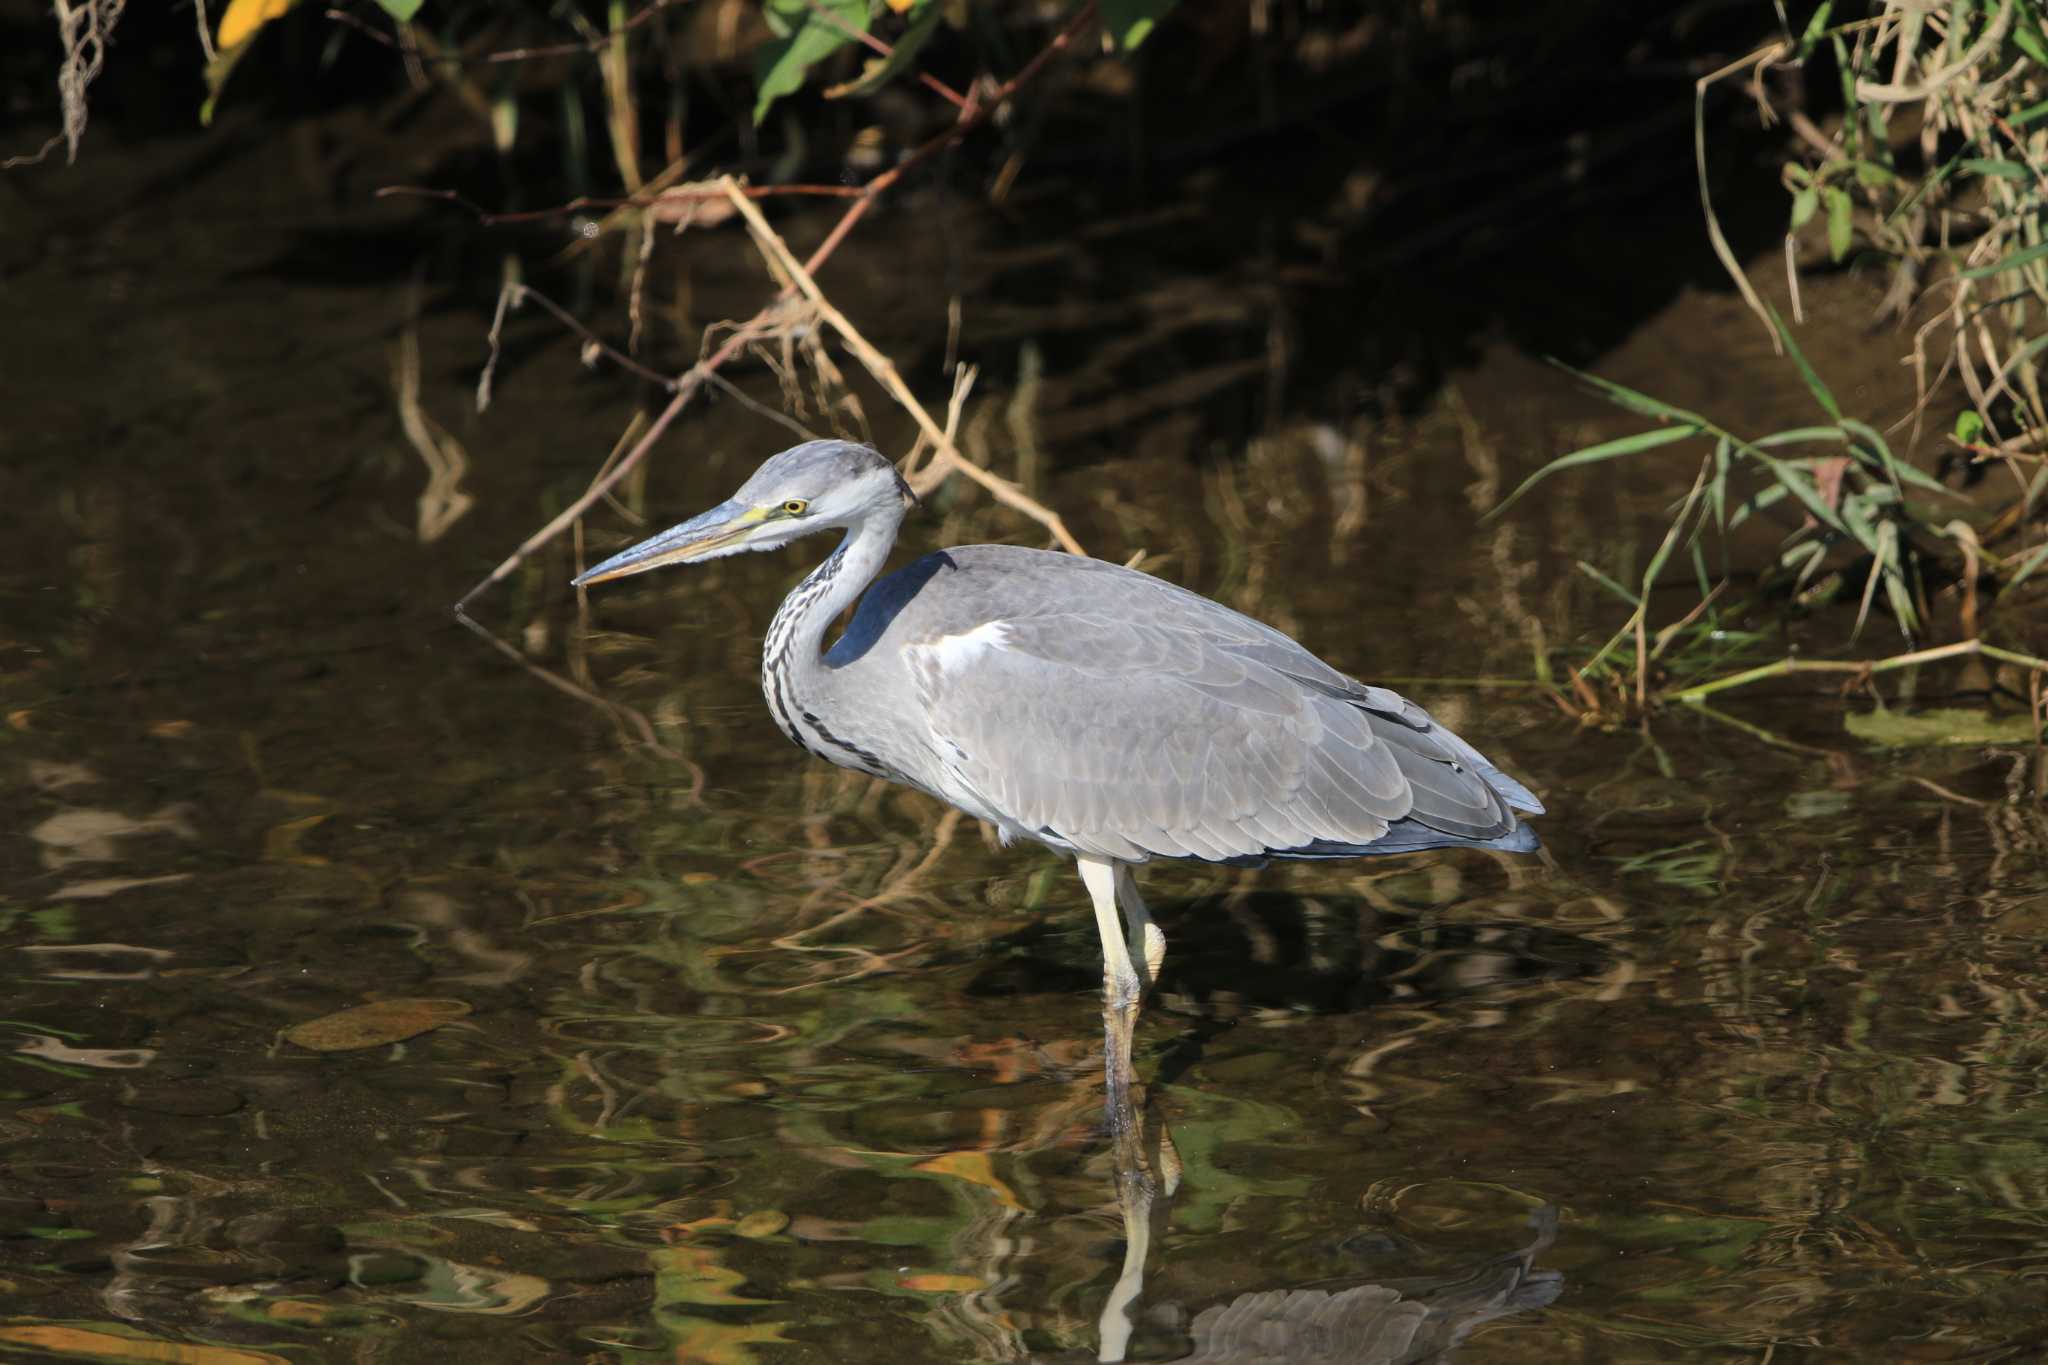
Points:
x=1148, y=943
x=1120, y=988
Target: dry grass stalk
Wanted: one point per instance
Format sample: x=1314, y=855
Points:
x=948, y=458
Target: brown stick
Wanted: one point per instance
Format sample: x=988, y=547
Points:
x=884, y=370
x=693, y=378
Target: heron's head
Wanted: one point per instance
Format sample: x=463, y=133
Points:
x=812, y=487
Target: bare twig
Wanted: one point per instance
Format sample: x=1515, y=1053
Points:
x=1959, y=650
x=516, y=54
x=687, y=384
x=874, y=44
x=884, y=370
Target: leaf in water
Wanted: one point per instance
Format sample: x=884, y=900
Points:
x=975, y=1169
x=1899, y=730
x=55, y=777
x=374, y=1024
x=942, y=1284
x=1131, y=22
x=700, y=1341
x=694, y=1275
x=452, y=1287
x=281, y=842
x=761, y=1223
x=86, y=834
x=116, y=1347
x=99, y=888
x=106, y=1059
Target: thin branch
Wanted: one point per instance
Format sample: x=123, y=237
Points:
x=884, y=370
x=687, y=384
x=493, y=218
x=583, y=47
x=874, y=44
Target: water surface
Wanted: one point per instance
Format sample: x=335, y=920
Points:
x=758, y=1060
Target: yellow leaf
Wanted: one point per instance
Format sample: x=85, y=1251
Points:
x=942, y=1284
x=243, y=17
x=126, y=1350
x=703, y=1342
x=374, y=1024
x=281, y=842
x=899, y=6
x=693, y=1275
x=300, y=1311
x=975, y=1169
x=762, y=1223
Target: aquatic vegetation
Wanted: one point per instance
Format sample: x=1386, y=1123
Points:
x=1933, y=172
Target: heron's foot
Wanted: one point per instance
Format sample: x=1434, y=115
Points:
x=1148, y=955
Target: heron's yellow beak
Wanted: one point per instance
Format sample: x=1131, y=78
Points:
x=724, y=527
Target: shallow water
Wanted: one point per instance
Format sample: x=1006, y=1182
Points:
x=758, y=1060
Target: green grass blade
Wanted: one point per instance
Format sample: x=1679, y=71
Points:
x=1606, y=450
x=1610, y=584
x=2027, y=566
x=2015, y=261
x=1820, y=391
x=1623, y=396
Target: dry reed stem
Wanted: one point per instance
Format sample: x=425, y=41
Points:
x=1960, y=649
x=685, y=386
x=947, y=455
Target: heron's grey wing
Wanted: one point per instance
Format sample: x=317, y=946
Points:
x=1125, y=737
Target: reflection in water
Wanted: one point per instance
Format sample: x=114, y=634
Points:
x=1335, y=1323
x=1423, y=1320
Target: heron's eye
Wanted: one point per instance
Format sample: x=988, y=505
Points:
x=795, y=507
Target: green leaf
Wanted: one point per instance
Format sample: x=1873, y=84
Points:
x=2027, y=566
x=803, y=37
x=1606, y=450
x=1803, y=205
x=1820, y=391
x=1896, y=730
x=1757, y=502
x=2027, y=37
x=1130, y=22
x=2003, y=170
x=1900, y=472
x=1604, y=581
x=923, y=23
x=1793, y=436
x=1841, y=221
x=1816, y=29
x=1969, y=426
x=1871, y=175
x=1623, y=396
x=2032, y=111
x=401, y=10
x=2012, y=262
x=1801, y=486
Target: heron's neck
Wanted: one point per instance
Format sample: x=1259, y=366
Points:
x=796, y=637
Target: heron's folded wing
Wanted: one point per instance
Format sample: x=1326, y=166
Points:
x=1126, y=740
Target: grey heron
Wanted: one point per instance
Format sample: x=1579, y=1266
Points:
x=1092, y=708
